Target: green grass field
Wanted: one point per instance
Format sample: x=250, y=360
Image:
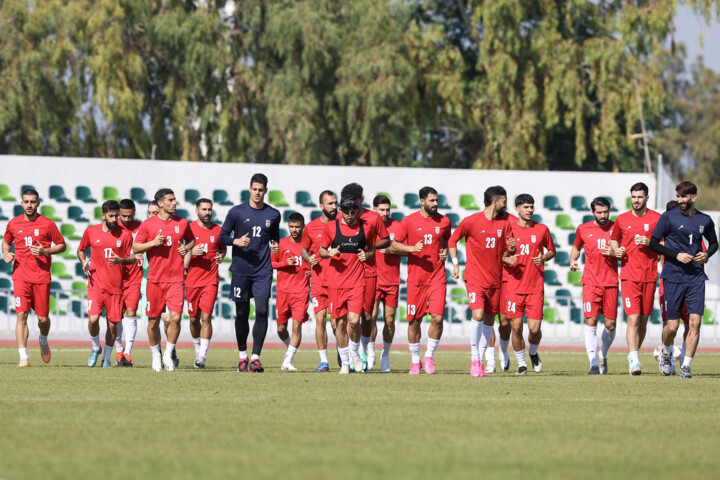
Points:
x=65, y=420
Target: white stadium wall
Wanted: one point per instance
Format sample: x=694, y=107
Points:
x=43, y=172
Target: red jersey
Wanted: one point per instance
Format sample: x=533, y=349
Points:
x=388, y=265
x=203, y=270
x=290, y=278
x=513, y=221
x=132, y=274
x=24, y=233
x=345, y=270
x=374, y=219
x=600, y=270
x=639, y=263
x=165, y=265
x=102, y=245
x=425, y=267
x=311, y=240
x=525, y=276
x=486, y=241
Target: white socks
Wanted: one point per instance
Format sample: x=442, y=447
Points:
x=504, y=345
x=607, y=339
x=242, y=355
x=371, y=349
x=354, y=346
x=633, y=357
x=490, y=355
x=323, y=356
x=107, y=353
x=196, y=342
x=386, y=349
x=687, y=361
x=23, y=353
x=591, y=344
x=130, y=332
x=95, y=343
x=533, y=348
x=290, y=354
x=344, y=355
x=486, y=332
x=520, y=356
x=155, y=349
x=254, y=357
x=169, y=349
x=474, y=339
x=415, y=352
x=118, y=337
x=364, y=341
x=204, y=346
x=431, y=346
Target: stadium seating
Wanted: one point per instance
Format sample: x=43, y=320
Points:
x=76, y=213
x=304, y=199
x=552, y=203
x=221, y=197
x=5, y=194
x=551, y=278
x=564, y=222
x=57, y=193
x=54, y=307
x=551, y=315
x=562, y=258
x=183, y=213
x=277, y=199
x=612, y=204
x=82, y=193
x=458, y=295
x=79, y=289
x=68, y=231
x=454, y=219
x=412, y=200
x=554, y=239
x=564, y=297
x=2, y=217
x=58, y=270
x=286, y=215
x=537, y=218
x=97, y=214
x=283, y=233
x=397, y=216
x=49, y=212
x=56, y=289
x=244, y=196
x=79, y=273
x=467, y=202
x=191, y=195
x=18, y=210
x=574, y=278
x=628, y=203
x=6, y=268
x=578, y=202
x=111, y=193
x=5, y=283
x=27, y=187
x=137, y=195
x=571, y=238
x=576, y=315
x=443, y=203
x=392, y=204
x=588, y=218
x=315, y=214
x=708, y=317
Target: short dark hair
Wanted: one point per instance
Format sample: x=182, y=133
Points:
x=324, y=194
x=203, y=200
x=381, y=200
x=686, y=188
x=640, y=186
x=492, y=193
x=110, y=205
x=599, y=202
x=671, y=205
x=296, y=217
x=524, y=198
x=352, y=190
x=154, y=203
x=162, y=193
x=259, y=178
x=127, y=204
x=348, y=204
x=31, y=192
x=425, y=191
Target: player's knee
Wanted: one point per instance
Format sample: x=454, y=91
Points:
x=43, y=319
x=261, y=311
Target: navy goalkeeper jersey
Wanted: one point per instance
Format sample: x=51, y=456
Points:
x=261, y=226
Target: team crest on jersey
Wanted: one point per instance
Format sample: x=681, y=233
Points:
x=212, y=238
x=392, y=237
x=118, y=243
x=499, y=233
x=533, y=238
x=702, y=228
x=177, y=229
x=37, y=232
x=646, y=227
x=267, y=223
x=437, y=229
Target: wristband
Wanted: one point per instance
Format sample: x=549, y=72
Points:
x=454, y=261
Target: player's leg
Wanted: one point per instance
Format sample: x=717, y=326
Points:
x=675, y=295
x=110, y=337
x=320, y=303
x=632, y=305
x=518, y=343
x=695, y=301
x=504, y=334
x=436, y=308
x=489, y=358
x=534, y=337
x=609, y=311
x=388, y=335
x=206, y=331
x=416, y=300
x=591, y=307
x=94, y=330
x=131, y=299
x=242, y=330
x=366, y=319
x=284, y=312
x=341, y=335
x=113, y=311
x=154, y=306
x=259, y=332
x=373, y=335
x=41, y=305
x=193, y=310
x=173, y=333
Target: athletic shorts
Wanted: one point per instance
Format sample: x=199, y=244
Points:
x=131, y=297
x=344, y=300
x=532, y=304
x=661, y=294
x=424, y=299
x=160, y=295
x=388, y=294
x=201, y=299
x=637, y=297
x=487, y=299
x=35, y=296
x=97, y=299
x=369, y=299
x=690, y=294
x=600, y=300
x=319, y=295
x=292, y=305
x=244, y=288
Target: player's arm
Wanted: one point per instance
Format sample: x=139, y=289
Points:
x=311, y=259
x=459, y=233
x=82, y=256
x=142, y=247
x=574, y=256
x=39, y=250
x=228, y=228
x=406, y=249
x=711, y=237
x=328, y=252
x=8, y=256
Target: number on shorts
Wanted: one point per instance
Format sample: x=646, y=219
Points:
x=428, y=239
x=471, y=297
x=147, y=309
x=490, y=242
x=315, y=302
x=17, y=301
x=189, y=305
x=89, y=305
x=236, y=292
x=627, y=302
x=511, y=307
x=588, y=307
x=411, y=309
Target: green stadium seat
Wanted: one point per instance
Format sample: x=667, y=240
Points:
x=537, y=218
x=552, y=203
x=613, y=218
x=564, y=222
x=284, y=233
x=458, y=295
x=612, y=204
x=82, y=193
x=564, y=297
x=5, y=283
x=58, y=270
x=18, y=210
x=56, y=289
x=5, y=195
x=411, y=200
x=97, y=213
x=76, y=213
x=79, y=289
x=397, y=216
x=304, y=199
x=392, y=204
x=277, y=199
x=49, y=212
x=708, y=317
x=226, y=311
x=454, y=219
x=111, y=193
x=315, y=214
x=656, y=317
x=244, y=196
x=576, y=315
x=4, y=303
x=286, y=215
x=79, y=270
x=467, y=202
x=192, y=195
x=70, y=252
x=54, y=309
x=562, y=259
x=571, y=238
x=221, y=197
x=68, y=232
x=551, y=278
x=138, y=195
x=588, y=218
x=182, y=213
x=443, y=203
x=27, y=187
x=57, y=193
x=3, y=217
x=402, y=314
x=574, y=278
x=551, y=315
x=578, y=202
x=628, y=203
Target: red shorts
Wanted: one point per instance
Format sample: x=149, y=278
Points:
x=683, y=315
x=637, y=297
x=97, y=299
x=600, y=300
x=344, y=300
x=531, y=304
x=35, y=296
x=388, y=294
x=369, y=299
x=291, y=305
x=487, y=299
x=161, y=294
x=424, y=299
x=201, y=299
x=131, y=297
x=319, y=295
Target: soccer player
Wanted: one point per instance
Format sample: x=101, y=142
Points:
x=132, y=282
x=381, y=240
x=599, y=280
x=293, y=288
x=110, y=247
x=36, y=238
x=253, y=230
x=524, y=291
x=505, y=327
x=162, y=237
x=201, y=282
x=489, y=236
x=344, y=242
x=424, y=235
x=630, y=239
x=388, y=286
x=683, y=272
x=311, y=240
